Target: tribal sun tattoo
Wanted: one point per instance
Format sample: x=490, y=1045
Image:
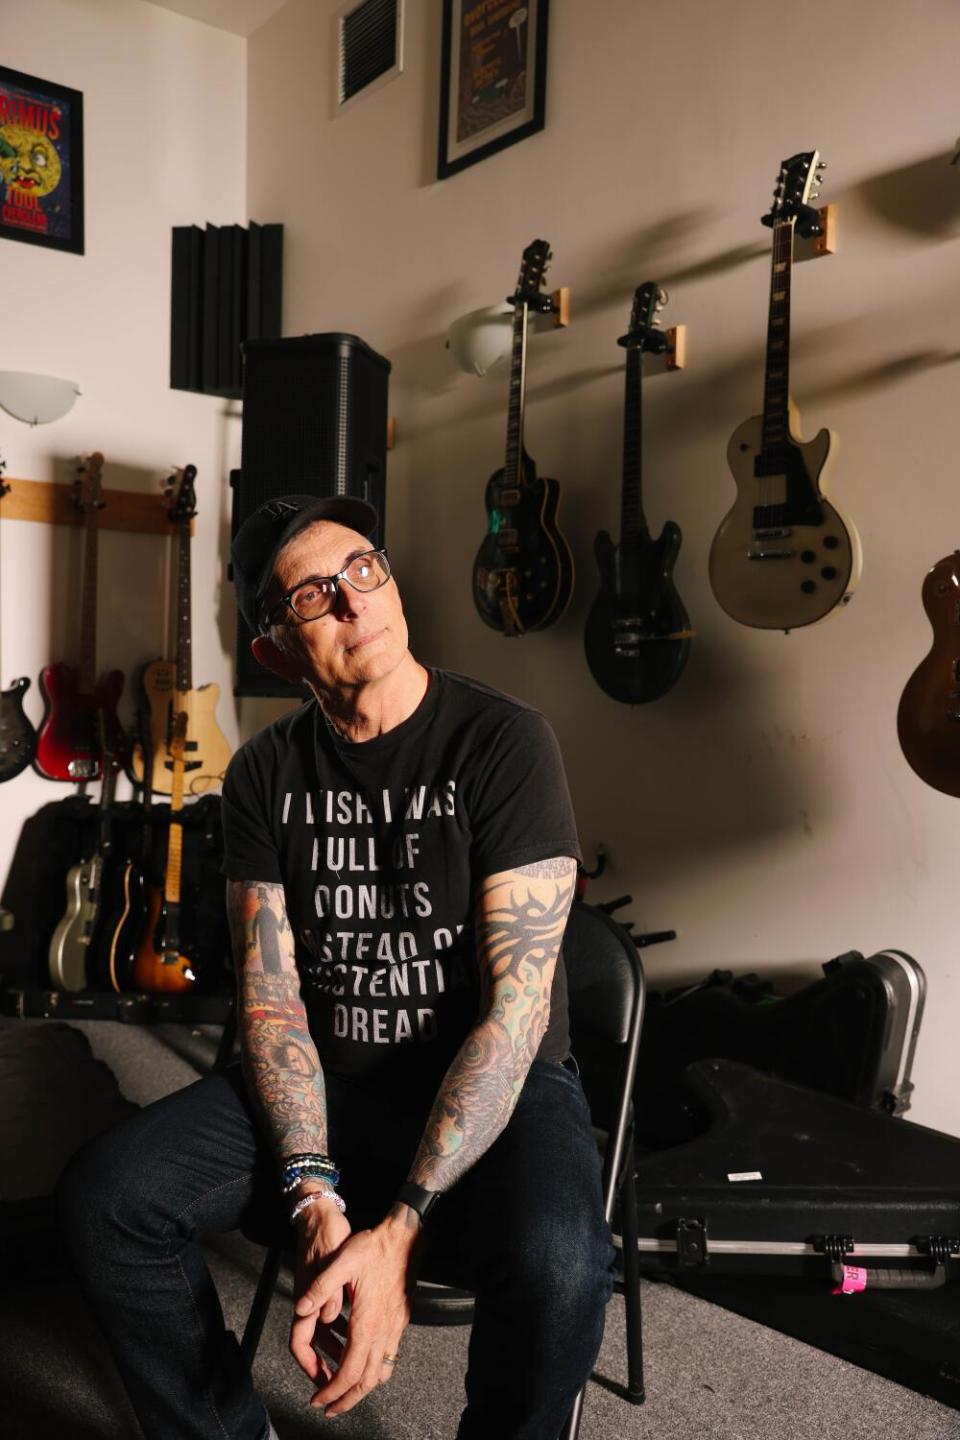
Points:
x=280, y=1060
x=521, y=917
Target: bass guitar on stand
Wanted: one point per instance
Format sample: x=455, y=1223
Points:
x=638, y=634
x=523, y=572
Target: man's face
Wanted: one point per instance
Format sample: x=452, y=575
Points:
x=364, y=637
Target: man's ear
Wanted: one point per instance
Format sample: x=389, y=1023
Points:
x=271, y=657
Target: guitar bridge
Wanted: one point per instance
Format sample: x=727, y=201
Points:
x=771, y=554
x=783, y=533
x=82, y=769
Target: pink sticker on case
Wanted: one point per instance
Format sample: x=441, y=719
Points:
x=854, y=1281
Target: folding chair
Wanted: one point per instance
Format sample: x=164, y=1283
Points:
x=606, y=993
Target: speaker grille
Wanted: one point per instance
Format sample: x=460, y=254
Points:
x=315, y=423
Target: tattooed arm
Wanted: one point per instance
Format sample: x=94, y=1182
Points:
x=521, y=916
x=280, y=1061
x=285, y=1083
x=520, y=919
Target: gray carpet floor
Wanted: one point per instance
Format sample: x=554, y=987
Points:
x=710, y=1375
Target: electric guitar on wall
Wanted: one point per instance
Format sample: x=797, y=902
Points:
x=784, y=556
x=69, y=744
x=523, y=572
x=168, y=684
x=928, y=716
x=159, y=966
x=18, y=739
x=70, y=952
x=637, y=636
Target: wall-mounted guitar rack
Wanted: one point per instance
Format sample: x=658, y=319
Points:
x=51, y=502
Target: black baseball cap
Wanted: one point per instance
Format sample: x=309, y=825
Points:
x=263, y=535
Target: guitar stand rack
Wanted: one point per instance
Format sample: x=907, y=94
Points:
x=51, y=502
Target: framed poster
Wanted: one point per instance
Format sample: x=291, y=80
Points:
x=494, y=78
x=41, y=162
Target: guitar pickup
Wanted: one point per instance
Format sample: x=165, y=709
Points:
x=508, y=539
x=508, y=498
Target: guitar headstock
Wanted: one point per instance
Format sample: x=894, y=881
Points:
x=644, y=333
x=794, y=189
x=181, y=493
x=4, y=487
x=533, y=270
x=87, y=483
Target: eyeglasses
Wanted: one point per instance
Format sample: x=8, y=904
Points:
x=316, y=596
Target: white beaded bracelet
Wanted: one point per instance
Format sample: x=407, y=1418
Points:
x=306, y=1200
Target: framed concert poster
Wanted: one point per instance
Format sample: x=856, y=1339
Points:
x=494, y=78
x=41, y=162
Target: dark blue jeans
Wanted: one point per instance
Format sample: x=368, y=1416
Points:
x=524, y=1229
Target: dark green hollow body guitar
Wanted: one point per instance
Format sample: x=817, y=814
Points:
x=523, y=572
x=638, y=633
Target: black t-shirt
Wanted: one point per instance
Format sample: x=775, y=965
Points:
x=380, y=847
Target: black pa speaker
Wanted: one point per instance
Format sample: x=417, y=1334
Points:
x=314, y=423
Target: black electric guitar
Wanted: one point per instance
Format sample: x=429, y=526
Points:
x=784, y=555
x=638, y=634
x=523, y=572
x=18, y=739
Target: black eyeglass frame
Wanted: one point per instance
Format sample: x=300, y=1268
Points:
x=335, y=580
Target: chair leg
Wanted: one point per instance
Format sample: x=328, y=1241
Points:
x=261, y=1304
x=631, y=1284
x=571, y=1429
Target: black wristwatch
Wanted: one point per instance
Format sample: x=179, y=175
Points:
x=418, y=1199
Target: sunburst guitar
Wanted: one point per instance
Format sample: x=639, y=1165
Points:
x=784, y=556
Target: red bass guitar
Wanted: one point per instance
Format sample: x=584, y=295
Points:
x=68, y=745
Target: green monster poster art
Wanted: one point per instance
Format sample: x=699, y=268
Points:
x=41, y=162
x=494, y=45
x=493, y=79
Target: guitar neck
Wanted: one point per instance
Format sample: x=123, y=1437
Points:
x=633, y=522
x=88, y=612
x=184, y=623
x=776, y=386
x=513, y=468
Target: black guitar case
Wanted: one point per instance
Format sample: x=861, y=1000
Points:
x=787, y=1196
x=852, y=1034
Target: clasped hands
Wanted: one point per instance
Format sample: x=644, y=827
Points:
x=373, y=1266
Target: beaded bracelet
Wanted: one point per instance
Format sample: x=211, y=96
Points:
x=306, y=1200
x=308, y=1166
x=332, y=1177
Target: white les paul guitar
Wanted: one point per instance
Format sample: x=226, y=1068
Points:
x=784, y=556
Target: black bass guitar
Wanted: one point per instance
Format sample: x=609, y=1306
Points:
x=523, y=572
x=18, y=739
x=638, y=633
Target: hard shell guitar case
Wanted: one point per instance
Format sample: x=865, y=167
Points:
x=852, y=1034
x=788, y=1183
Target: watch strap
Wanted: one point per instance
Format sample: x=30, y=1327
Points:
x=418, y=1198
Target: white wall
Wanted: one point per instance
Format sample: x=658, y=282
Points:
x=164, y=117
x=763, y=807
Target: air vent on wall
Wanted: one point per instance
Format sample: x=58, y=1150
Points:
x=370, y=44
